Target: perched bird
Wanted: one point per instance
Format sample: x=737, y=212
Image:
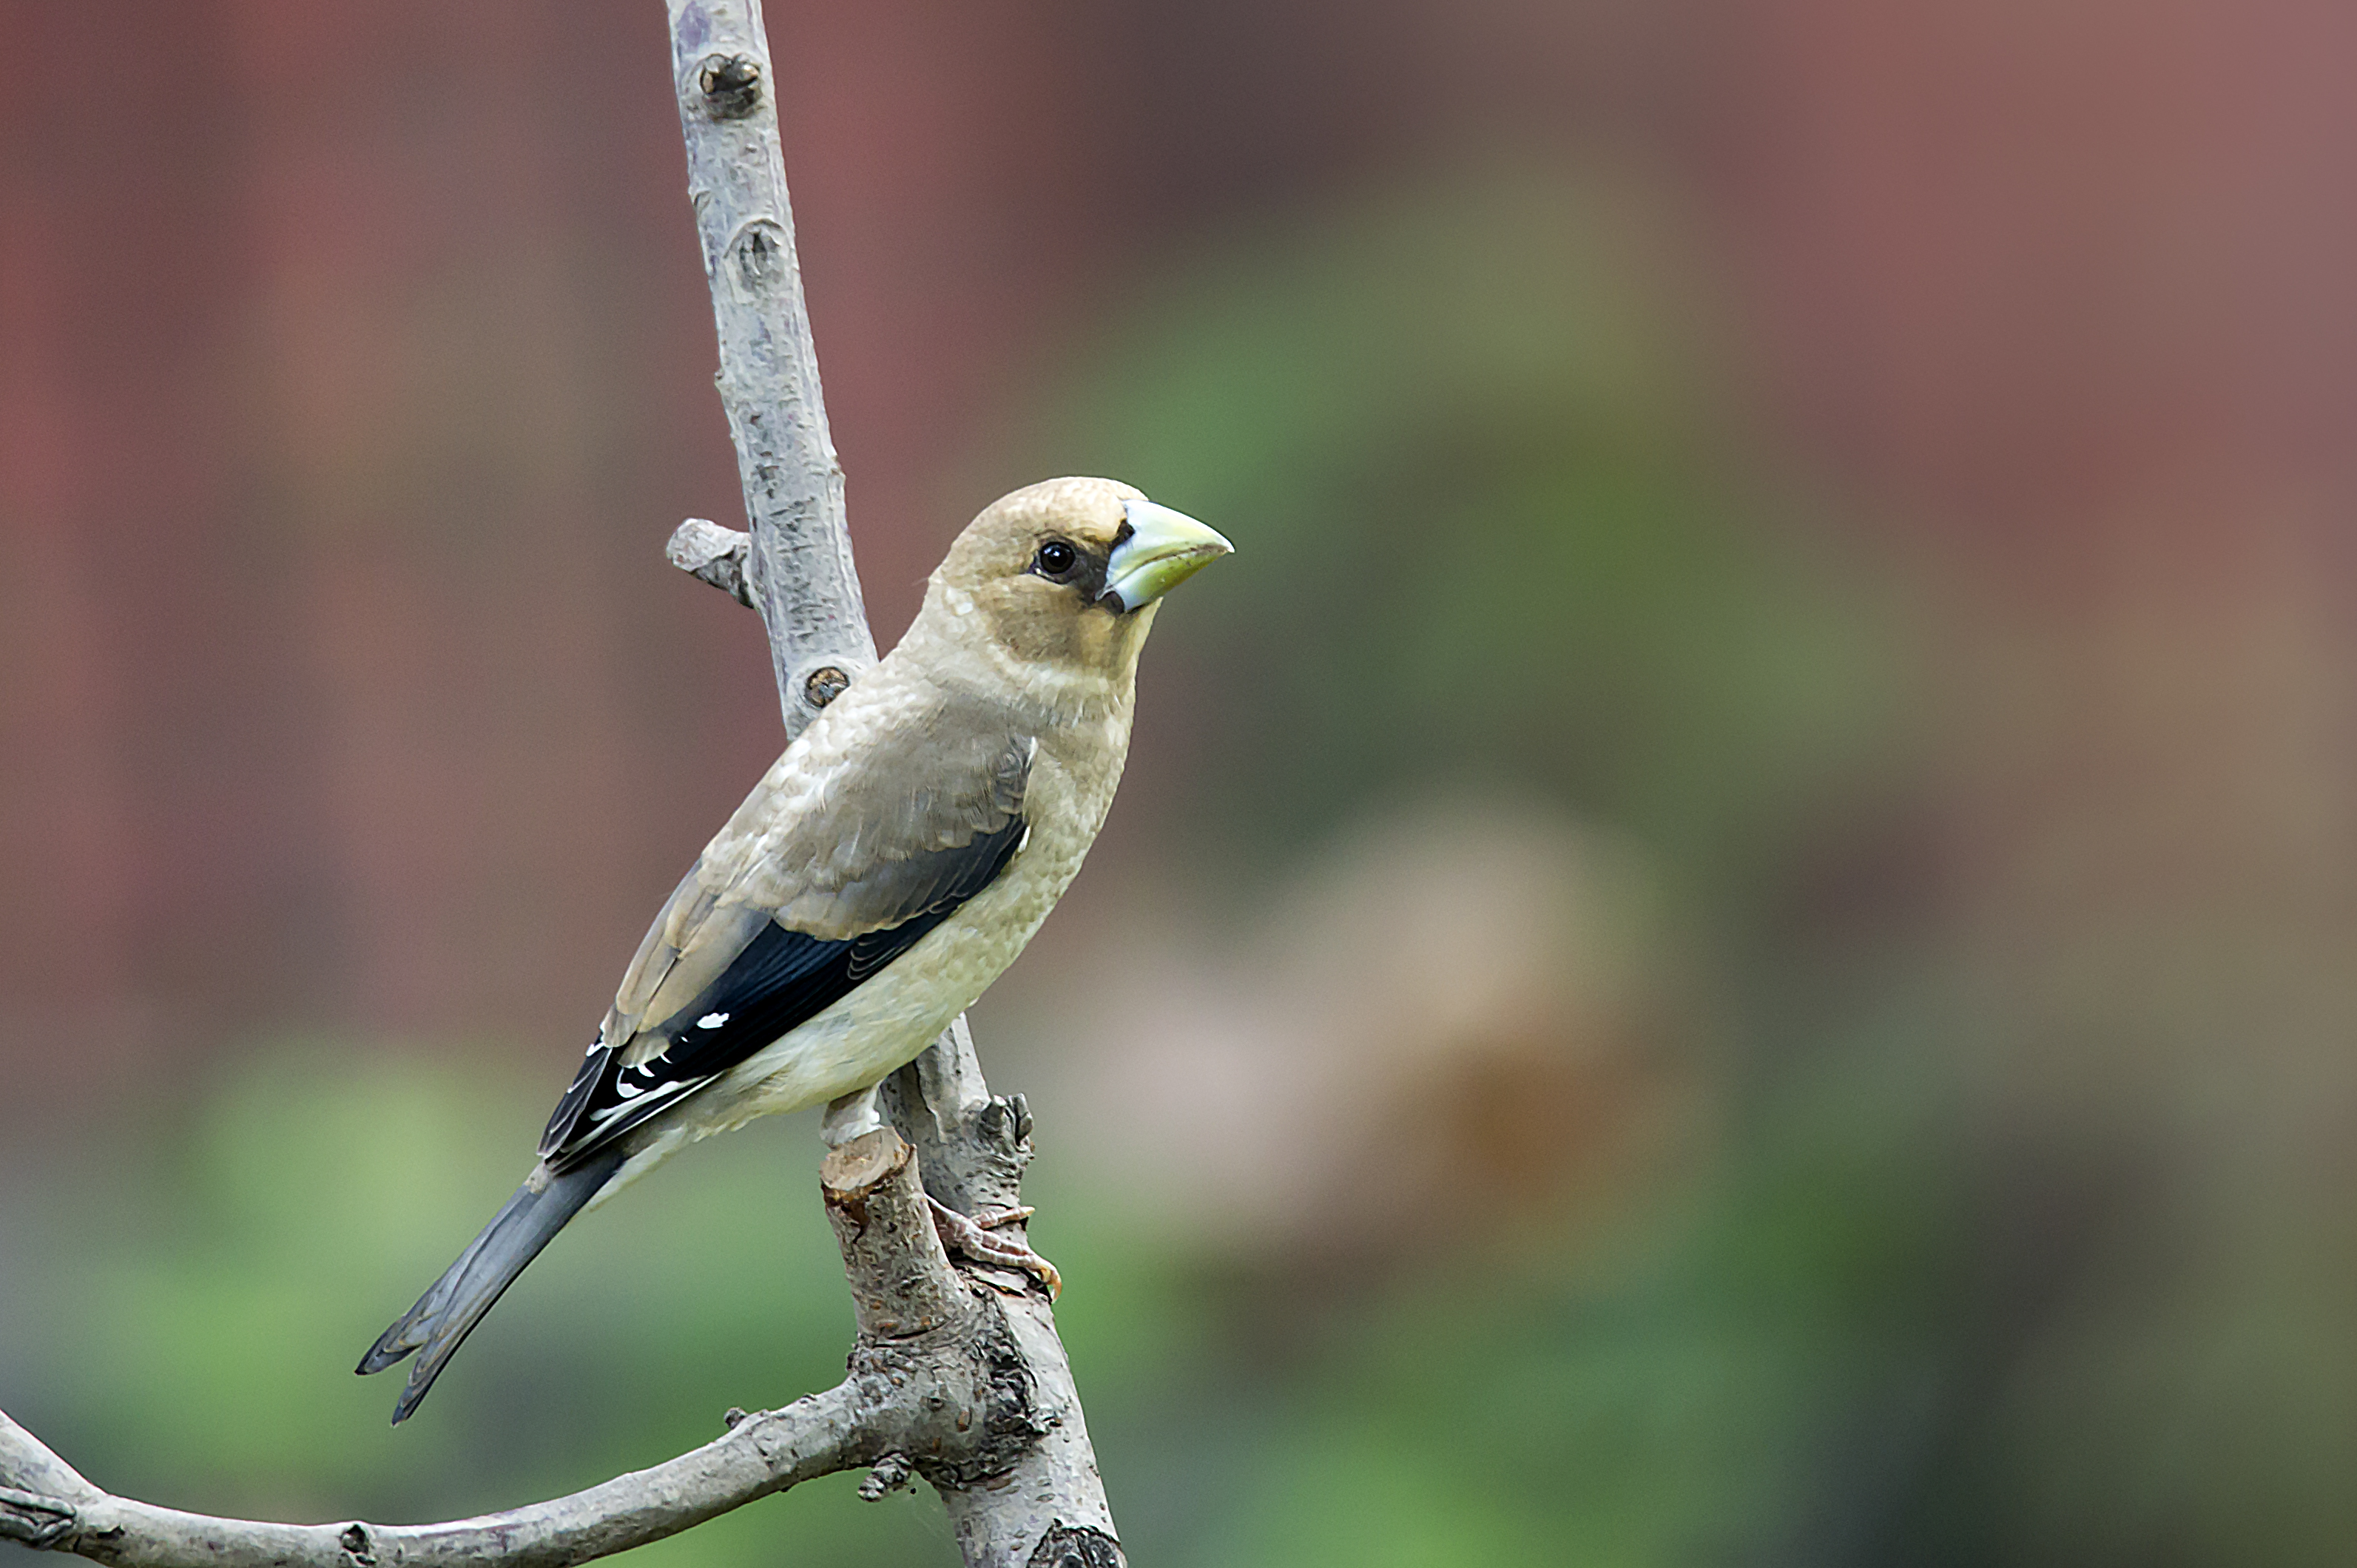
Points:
x=888, y=867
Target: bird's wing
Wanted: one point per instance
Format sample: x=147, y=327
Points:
x=834, y=867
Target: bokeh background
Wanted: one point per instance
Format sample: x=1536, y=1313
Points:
x=1738, y=916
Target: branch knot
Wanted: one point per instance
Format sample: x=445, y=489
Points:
x=731, y=85
x=825, y=684
x=1065, y=1547
x=890, y=1474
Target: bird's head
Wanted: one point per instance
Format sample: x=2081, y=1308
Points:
x=1059, y=581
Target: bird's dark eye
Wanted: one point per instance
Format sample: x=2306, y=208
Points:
x=1056, y=559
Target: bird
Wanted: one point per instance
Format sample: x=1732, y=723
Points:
x=886, y=869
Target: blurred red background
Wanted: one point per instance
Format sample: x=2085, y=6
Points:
x=354, y=365
x=354, y=362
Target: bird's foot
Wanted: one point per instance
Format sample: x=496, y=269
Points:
x=969, y=1236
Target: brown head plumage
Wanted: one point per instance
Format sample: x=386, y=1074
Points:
x=1055, y=586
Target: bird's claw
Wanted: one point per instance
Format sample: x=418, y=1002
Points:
x=970, y=1236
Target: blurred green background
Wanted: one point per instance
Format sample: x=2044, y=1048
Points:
x=1740, y=903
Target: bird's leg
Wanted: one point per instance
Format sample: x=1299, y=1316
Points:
x=848, y=1116
x=970, y=1236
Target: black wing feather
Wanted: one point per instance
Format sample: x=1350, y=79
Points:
x=782, y=979
x=768, y=966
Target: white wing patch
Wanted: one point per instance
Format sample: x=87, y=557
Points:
x=712, y=1020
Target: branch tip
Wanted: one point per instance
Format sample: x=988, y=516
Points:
x=704, y=549
x=900, y=1278
x=856, y=1168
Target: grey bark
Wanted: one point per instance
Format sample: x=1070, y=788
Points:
x=973, y=1145
x=798, y=571
x=957, y=1374
x=46, y=1504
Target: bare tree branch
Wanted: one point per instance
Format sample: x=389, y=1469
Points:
x=800, y=568
x=833, y=1430
x=957, y=1377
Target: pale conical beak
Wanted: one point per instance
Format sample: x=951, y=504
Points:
x=1161, y=550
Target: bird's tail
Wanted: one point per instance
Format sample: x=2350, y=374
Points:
x=451, y=1307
